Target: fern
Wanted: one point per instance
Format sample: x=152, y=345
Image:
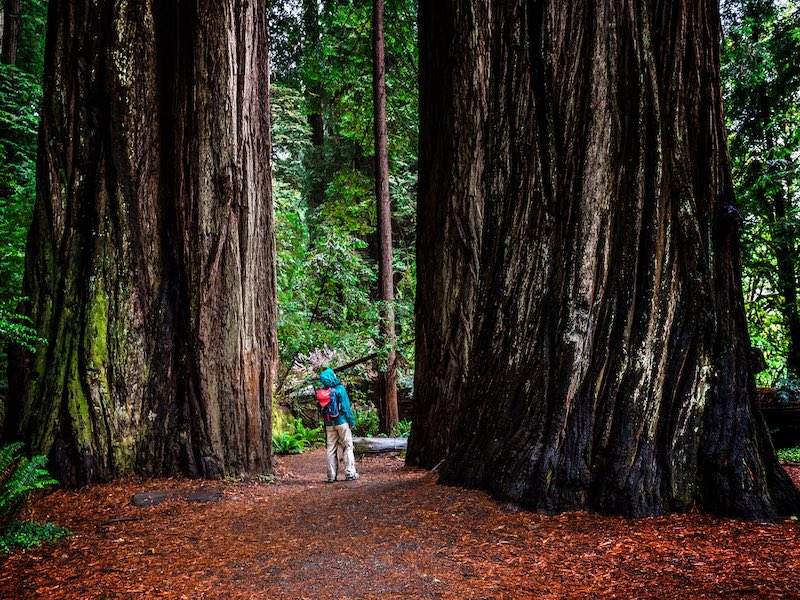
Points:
x=19, y=476
x=402, y=429
x=9, y=455
x=287, y=443
x=366, y=423
x=307, y=435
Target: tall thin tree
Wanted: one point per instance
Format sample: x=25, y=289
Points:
x=314, y=90
x=150, y=263
x=387, y=377
x=11, y=30
x=761, y=42
x=581, y=339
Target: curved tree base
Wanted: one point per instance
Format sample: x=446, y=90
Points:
x=581, y=337
x=150, y=261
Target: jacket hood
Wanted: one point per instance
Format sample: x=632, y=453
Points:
x=328, y=378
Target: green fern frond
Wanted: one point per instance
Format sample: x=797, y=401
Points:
x=9, y=457
x=19, y=476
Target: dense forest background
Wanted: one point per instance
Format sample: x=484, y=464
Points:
x=323, y=181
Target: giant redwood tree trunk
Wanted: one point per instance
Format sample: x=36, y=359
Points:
x=580, y=325
x=150, y=262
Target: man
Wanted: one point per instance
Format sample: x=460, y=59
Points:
x=337, y=429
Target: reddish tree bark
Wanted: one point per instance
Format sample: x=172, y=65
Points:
x=150, y=262
x=387, y=370
x=581, y=339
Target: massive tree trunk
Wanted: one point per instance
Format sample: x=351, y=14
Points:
x=387, y=367
x=11, y=27
x=150, y=261
x=581, y=340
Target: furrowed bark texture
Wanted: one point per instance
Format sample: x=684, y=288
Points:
x=581, y=340
x=150, y=261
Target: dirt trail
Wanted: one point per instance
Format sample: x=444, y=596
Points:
x=392, y=534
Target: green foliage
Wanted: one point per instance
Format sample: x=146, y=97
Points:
x=287, y=443
x=28, y=534
x=16, y=327
x=346, y=72
x=327, y=270
x=19, y=476
x=366, y=423
x=30, y=51
x=789, y=454
x=402, y=429
x=286, y=39
x=323, y=287
x=298, y=440
x=761, y=86
x=308, y=436
x=20, y=97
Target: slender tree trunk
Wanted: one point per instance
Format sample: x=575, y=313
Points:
x=783, y=239
x=783, y=247
x=387, y=372
x=314, y=96
x=775, y=207
x=11, y=27
x=150, y=262
x=581, y=338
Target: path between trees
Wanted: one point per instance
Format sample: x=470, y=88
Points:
x=392, y=534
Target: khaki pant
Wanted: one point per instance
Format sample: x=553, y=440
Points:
x=340, y=443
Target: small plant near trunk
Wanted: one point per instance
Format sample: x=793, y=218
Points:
x=287, y=443
x=297, y=440
x=19, y=477
x=402, y=429
x=789, y=455
x=366, y=423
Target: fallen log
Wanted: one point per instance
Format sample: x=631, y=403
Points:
x=378, y=445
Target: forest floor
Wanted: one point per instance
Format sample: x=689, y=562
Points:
x=394, y=533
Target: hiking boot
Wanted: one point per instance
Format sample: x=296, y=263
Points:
x=330, y=480
x=352, y=477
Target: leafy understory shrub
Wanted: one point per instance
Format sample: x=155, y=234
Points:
x=366, y=423
x=402, y=429
x=297, y=440
x=29, y=534
x=789, y=455
x=19, y=477
x=308, y=436
x=287, y=443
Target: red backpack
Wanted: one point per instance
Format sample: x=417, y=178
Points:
x=328, y=403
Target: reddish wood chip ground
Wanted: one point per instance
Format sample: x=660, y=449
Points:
x=392, y=534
